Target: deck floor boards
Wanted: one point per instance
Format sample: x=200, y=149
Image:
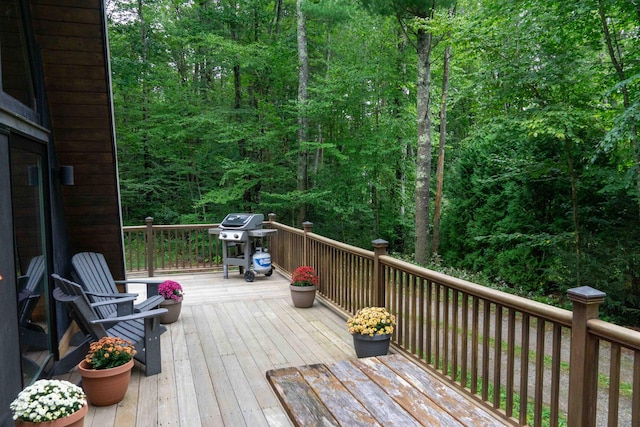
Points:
x=215, y=357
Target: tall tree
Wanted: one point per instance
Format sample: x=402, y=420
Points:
x=303, y=82
x=415, y=16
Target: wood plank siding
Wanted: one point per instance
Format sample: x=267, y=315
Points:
x=71, y=35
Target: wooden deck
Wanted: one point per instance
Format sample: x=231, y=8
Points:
x=215, y=357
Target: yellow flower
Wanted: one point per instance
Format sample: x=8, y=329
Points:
x=372, y=321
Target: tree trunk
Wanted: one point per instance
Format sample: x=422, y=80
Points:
x=443, y=139
x=574, y=204
x=144, y=39
x=277, y=17
x=423, y=159
x=303, y=80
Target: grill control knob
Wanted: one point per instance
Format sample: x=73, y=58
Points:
x=223, y=235
x=235, y=236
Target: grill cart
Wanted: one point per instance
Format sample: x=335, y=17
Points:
x=242, y=238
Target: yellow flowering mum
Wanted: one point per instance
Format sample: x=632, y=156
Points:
x=372, y=321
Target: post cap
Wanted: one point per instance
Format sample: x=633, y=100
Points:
x=379, y=243
x=586, y=294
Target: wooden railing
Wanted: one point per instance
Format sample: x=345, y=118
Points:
x=531, y=363
x=160, y=248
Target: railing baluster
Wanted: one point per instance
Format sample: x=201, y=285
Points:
x=486, y=335
x=511, y=347
x=497, y=357
x=475, y=311
x=445, y=332
x=614, y=384
x=429, y=322
x=421, y=317
x=539, y=386
x=555, y=374
x=455, y=336
x=524, y=369
x=465, y=340
x=414, y=313
x=635, y=399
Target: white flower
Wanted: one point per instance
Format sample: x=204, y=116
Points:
x=47, y=400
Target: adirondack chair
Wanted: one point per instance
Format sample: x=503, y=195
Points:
x=142, y=329
x=30, y=286
x=92, y=272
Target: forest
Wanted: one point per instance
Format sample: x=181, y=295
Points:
x=497, y=138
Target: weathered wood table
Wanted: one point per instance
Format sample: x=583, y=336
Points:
x=388, y=390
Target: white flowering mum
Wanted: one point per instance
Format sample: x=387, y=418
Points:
x=47, y=400
x=372, y=321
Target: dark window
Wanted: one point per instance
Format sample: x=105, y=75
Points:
x=15, y=72
x=28, y=197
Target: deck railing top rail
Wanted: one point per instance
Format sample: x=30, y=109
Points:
x=507, y=300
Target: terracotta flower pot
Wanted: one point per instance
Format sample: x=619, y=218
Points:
x=105, y=387
x=74, y=420
x=173, y=310
x=370, y=346
x=303, y=296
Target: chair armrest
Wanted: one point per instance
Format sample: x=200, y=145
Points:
x=139, y=281
x=152, y=284
x=126, y=300
x=142, y=315
x=114, y=296
x=26, y=294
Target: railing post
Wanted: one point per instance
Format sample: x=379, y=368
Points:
x=379, y=248
x=272, y=217
x=149, y=221
x=583, y=362
x=306, y=258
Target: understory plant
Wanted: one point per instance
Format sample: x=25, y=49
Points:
x=47, y=400
x=372, y=321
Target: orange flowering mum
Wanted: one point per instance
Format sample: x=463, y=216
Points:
x=109, y=352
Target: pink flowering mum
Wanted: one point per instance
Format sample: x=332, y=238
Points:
x=171, y=290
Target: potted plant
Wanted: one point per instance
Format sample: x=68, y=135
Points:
x=50, y=403
x=106, y=370
x=304, y=282
x=173, y=295
x=371, y=328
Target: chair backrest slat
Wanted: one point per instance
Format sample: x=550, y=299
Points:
x=93, y=273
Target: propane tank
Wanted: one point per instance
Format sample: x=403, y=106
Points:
x=262, y=262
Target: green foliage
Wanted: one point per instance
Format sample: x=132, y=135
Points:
x=541, y=189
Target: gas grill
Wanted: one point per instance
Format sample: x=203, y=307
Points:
x=242, y=238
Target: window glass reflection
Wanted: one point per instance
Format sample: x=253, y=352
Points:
x=27, y=192
x=15, y=71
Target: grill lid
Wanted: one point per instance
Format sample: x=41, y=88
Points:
x=242, y=221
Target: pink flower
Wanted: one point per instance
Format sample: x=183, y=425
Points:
x=171, y=290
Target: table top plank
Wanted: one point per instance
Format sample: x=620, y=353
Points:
x=448, y=399
x=400, y=390
x=345, y=408
x=300, y=402
x=374, y=398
